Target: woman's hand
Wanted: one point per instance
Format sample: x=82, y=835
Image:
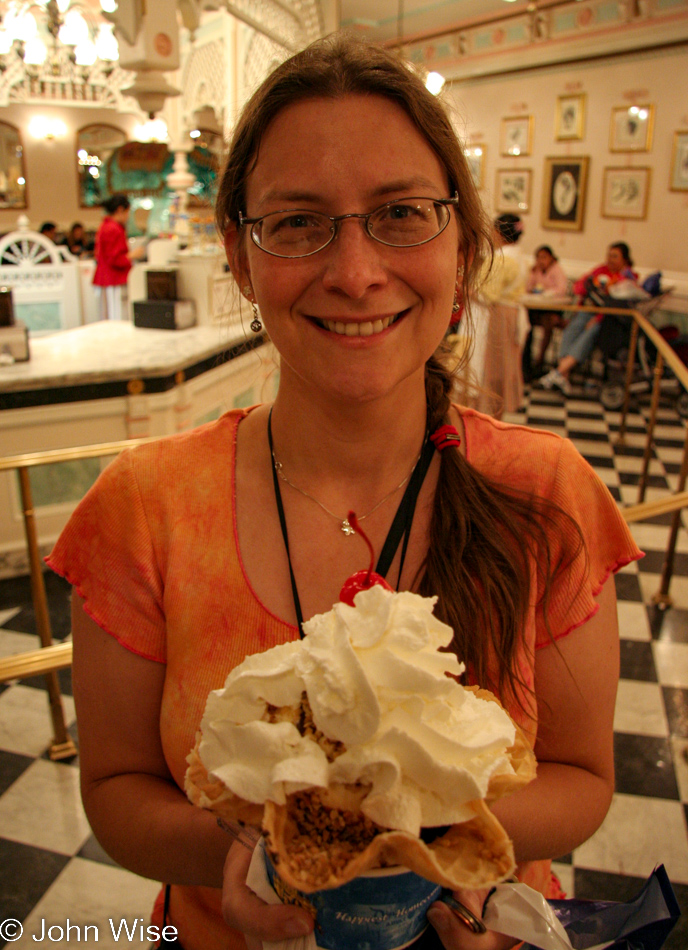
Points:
x=245, y=911
x=455, y=935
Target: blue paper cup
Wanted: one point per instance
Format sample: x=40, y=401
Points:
x=384, y=909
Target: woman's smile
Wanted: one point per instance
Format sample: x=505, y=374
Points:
x=372, y=326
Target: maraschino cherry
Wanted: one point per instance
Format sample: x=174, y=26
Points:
x=361, y=580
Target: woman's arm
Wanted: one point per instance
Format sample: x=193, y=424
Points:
x=137, y=812
x=533, y=276
x=561, y=281
x=575, y=686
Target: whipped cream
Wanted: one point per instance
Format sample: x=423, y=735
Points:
x=377, y=683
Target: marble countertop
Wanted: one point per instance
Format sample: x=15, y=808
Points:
x=108, y=352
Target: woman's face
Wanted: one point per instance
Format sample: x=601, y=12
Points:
x=615, y=260
x=358, y=318
x=544, y=259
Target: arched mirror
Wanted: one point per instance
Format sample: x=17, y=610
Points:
x=12, y=173
x=95, y=146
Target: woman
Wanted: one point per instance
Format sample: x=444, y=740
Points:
x=76, y=239
x=500, y=322
x=179, y=578
x=579, y=338
x=546, y=277
x=113, y=258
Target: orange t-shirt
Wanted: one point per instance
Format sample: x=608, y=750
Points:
x=153, y=550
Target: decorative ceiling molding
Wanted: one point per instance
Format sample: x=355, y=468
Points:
x=546, y=34
x=291, y=25
x=102, y=88
x=204, y=79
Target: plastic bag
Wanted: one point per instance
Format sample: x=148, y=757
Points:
x=641, y=924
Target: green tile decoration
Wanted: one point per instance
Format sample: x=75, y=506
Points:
x=516, y=33
x=244, y=399
x=607, y=12
x=208, y=417
x=564, y=22
x=62, y=482
x=39, y=316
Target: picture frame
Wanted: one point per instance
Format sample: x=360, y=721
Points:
x=512, y=190
x=569, y=122
x=625, y=193
x=631, y=128
x=516, y=136
x=476, y=156
x=678, y=180
x=564, y=192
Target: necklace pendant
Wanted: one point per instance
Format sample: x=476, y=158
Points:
x=346, y=528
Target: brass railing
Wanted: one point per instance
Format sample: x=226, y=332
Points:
x=679, y=500
x=51, y=657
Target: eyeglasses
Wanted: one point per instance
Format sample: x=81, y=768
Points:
x=406, y=222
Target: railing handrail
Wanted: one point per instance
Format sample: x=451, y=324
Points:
x=669, y=355
x=32, y=459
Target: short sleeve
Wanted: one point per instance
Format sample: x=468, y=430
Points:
x=608, y=545
x=107, y=553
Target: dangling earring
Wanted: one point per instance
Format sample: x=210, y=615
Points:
x=256, y=325
x=456, y=306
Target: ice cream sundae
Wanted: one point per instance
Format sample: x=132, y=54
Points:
x=356, y=747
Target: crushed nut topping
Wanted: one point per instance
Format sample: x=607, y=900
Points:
x=301, y=716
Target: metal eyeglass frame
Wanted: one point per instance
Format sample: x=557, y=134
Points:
x=335, y=219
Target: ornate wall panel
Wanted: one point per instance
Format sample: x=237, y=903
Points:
x=574, y=30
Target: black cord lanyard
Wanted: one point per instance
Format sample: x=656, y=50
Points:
x=401, y=526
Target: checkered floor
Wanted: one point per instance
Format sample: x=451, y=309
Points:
x=52, y=868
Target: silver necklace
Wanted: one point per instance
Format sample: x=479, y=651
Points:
x=344, y=524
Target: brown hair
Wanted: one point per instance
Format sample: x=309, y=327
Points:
x=482, y=536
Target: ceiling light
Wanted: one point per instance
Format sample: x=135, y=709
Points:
x=434, y=83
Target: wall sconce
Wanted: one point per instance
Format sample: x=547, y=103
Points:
x=41, y=127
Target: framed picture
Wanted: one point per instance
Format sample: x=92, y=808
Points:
x=564, y=192
x=512, y=191
x=625, y=192
x=631, y=129
x=679, y=162
x=476, y=156
x=569, y=124
x=516, y=135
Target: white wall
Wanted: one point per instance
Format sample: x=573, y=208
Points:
x=50, y=165
x=661, y=241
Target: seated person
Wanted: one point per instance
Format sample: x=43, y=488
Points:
x=578, y=339
x=546, y=277
x=48, y=229
x=76, y=240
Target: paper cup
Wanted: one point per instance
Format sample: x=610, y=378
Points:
x=381, y=910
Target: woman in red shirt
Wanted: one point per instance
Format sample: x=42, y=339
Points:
x=579, y=337
x=113, y=258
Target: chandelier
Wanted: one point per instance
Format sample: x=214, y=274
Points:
x=56, y=37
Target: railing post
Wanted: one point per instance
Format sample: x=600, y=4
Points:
x=62, y=746
x=654, y=406
x=662, y=598
x=621, y=437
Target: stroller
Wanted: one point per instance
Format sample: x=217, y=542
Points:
x=613, y=345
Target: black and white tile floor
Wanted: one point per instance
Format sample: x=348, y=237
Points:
x=51, y=868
